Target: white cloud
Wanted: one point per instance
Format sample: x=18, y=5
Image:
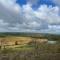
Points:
x=55, y=27
x=32, y=1
x=57, y=2
x=11, y=5
x=3, y=26
x=49, y=14
x=17, y=18
x=2, y=23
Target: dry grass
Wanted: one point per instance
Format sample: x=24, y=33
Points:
x=10, y=40
x=39, y=52
x=29, y=49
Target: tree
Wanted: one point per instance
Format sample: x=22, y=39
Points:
x=16, y=42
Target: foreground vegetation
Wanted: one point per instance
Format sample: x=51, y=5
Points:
x=29, y=48
x=31, y=51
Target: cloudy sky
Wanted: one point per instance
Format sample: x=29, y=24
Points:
x=30, y=16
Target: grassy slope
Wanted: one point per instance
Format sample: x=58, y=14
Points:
x=33, y=51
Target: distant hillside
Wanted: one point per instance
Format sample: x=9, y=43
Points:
x=35, y=35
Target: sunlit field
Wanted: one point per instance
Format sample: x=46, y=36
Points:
x=31, y=47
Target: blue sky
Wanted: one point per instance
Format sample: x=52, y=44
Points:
x=30, y=16
x=37, y=4
x=40, y=2
x=21, y=2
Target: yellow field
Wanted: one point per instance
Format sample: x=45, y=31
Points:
x=11, y=41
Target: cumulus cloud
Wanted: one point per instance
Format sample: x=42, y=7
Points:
x=14, y=18
x=50, y=14
x=32, y=1
x=3, y=26
x=55, y=27
x=11, y=5
x=57, y=2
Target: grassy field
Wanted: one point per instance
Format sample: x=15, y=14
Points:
x=28, y=48
x=34, y=51
x=13, y=40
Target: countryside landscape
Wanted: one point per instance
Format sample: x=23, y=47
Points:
x=29, y=29
x=29, y=46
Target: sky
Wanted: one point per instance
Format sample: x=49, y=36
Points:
x=30, y=16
